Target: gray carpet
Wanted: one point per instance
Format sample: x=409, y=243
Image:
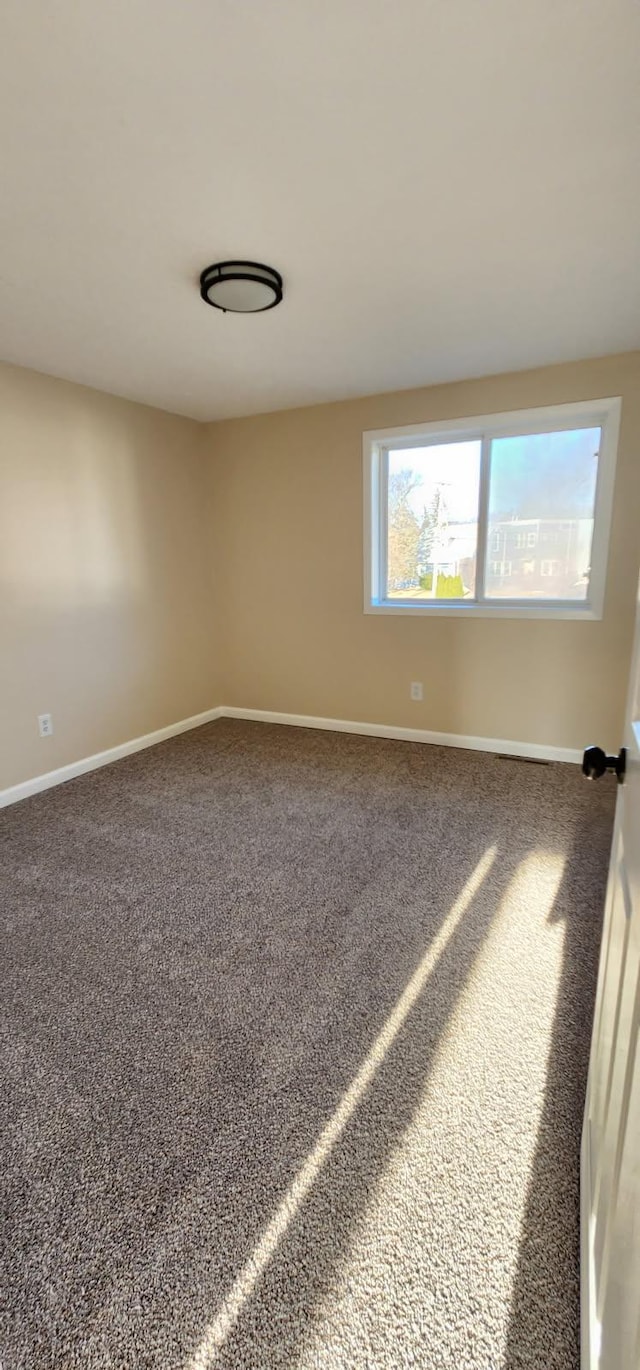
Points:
x=295, y=1032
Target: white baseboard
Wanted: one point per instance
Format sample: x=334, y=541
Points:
x=535, y=751
x=92, y=763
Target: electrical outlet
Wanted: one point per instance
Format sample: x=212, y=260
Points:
x=45, y=725
x=416, y=690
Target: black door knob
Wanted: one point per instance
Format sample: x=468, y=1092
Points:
x=595, y=763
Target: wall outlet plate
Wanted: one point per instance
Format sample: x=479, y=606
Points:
x=45, y=725
x=416, y=690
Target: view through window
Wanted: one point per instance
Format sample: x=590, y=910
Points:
x=495, y=518
x=432, y=520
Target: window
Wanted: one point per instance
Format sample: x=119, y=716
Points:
x=450, y=510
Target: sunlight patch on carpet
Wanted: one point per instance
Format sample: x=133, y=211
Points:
x=450, y=1203
x=219, y=1330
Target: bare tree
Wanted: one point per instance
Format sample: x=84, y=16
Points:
x=403, y=531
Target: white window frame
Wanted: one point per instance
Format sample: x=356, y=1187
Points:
x=604, y=414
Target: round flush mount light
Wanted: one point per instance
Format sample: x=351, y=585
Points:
x=241, y=287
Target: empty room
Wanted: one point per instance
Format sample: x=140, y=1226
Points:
x=319, y=685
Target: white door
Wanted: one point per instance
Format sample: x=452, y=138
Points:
x=611, y=1140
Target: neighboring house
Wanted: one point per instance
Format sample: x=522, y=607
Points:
x=547, y=557
x=454, y=553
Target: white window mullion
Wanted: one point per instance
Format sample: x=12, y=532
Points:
x=483, y=518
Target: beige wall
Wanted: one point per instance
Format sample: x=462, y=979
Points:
x=105, y=604
x=287, y=552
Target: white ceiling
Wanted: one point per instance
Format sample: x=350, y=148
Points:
x=449, y=188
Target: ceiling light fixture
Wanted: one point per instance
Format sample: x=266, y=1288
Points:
x=241, y=287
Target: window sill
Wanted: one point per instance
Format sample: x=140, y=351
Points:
x=450, y=609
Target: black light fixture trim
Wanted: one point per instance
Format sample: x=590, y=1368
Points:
x=241, y=271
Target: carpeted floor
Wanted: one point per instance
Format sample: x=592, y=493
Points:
x=295, y=1033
